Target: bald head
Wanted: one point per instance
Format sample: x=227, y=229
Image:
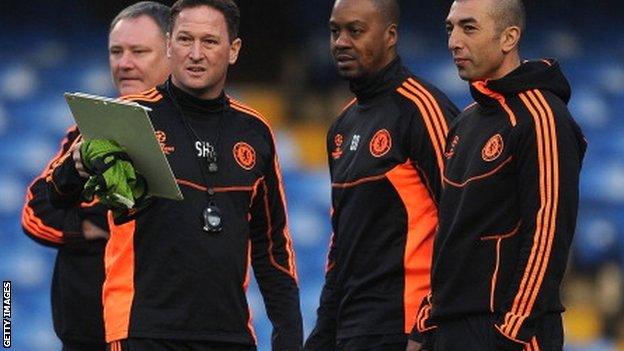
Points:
x=508, y=13
x=389, y=10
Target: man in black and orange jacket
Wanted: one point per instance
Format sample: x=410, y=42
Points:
x=510, y=199
x=137, y=62
x=385, y=160
x=175, y=279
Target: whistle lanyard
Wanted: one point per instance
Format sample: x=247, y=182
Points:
x=208, y=166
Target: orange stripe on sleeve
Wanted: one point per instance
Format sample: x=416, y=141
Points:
x=545, y=222
x=513, y=318
x=270, y=236
x=438, y=144
x=118, y=289
x=552, y=159
x=286, y=233
x=422, y=222
x=36, y=226
x=543, y=253
x=435, y=114
x=440, y=116
x=29, y=219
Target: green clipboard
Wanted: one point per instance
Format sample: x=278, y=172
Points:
x=128, y=124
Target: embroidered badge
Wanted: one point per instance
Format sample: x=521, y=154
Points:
x=161, y=137
x=338, y=140
x=381, y=143
x=245, y=155
x=493, y=148
x=451, y=150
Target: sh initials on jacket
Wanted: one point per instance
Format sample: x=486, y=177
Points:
x=204, y=149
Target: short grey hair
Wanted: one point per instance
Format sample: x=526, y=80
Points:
x=154, y=10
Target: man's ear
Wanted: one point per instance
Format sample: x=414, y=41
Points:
x=234, y=50
x=392, y=34
x=510, y=38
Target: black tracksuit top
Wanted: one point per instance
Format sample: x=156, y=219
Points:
x=385, y=160
x=76, y=291
x=509, y=203
x=166, y=278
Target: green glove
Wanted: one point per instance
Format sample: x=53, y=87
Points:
x=114, y=179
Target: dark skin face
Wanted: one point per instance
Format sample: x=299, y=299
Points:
x=362, y=41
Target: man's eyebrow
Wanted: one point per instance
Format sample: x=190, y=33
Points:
x=355, y=22
x=463, y=21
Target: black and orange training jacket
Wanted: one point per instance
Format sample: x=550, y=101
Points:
x=385, y=155
x=166, y=278
x=509, y=204
x=76, y=291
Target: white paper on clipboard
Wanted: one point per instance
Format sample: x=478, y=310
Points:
x=128, y=124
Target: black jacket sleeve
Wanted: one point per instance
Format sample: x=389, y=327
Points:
x=428, y=130
x=52, y=226
x=549, y=154
x=427, y=138
x=273, y=259
x=323, y=336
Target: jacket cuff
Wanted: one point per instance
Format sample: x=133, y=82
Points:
x=97, y=214
x=504, y=343
x=415, y=335
x=72, y=226
x=66, y=184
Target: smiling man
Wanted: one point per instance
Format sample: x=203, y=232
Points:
x=138, y=61
x=385, y=154
x=177, y=270
x=509, y=204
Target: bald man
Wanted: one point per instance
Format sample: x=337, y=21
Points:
x=510, y=200
x=138, y=61
x=385, y=159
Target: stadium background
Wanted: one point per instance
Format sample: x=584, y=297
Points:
x=49, y=47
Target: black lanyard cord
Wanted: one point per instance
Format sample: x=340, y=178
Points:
x=212, y=156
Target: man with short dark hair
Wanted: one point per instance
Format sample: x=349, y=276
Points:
x=509, y=205
x=137, y=58
x=177, y=270
x=385, y=154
